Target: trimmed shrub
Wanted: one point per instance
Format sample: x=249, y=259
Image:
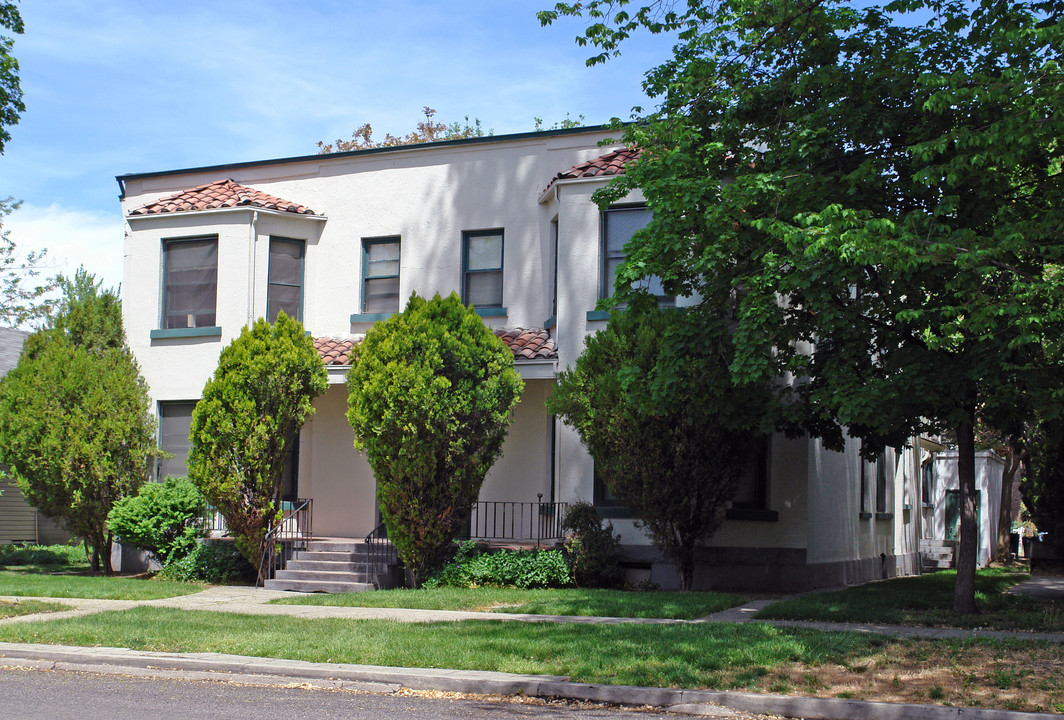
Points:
x=592, y=549
x=210, y=561
x=503, y=568
x=165, y=518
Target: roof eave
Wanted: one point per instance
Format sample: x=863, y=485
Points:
x=225, y=211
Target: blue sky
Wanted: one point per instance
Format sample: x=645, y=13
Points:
x=132, y=86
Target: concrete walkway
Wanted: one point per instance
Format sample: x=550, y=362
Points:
x=246, y=600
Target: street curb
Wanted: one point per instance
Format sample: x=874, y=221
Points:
x=373, y=678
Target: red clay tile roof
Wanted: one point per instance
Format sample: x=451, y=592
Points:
x=216, y=195
x=335, y=351
x=526, y=344
x=603, y=166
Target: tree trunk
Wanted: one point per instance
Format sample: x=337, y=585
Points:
x=968, y=546
x=108, y=541
x=1013, y=463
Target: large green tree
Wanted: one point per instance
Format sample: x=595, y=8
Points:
x=653, y=400
x=74, y=422
x=430, y=395
x=246, y=422
x=878, y=189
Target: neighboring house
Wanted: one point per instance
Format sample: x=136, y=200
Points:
x=941, y=495
x=342, y=240
x=19, y=521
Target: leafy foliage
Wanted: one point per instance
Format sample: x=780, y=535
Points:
x=165, y=518
x=74, y=422
x=211, y=561
x=1043, y=486
x=56, y=556
x=427, y=130
x=430, y=394
x=11, y=105
x=503, y=568
x=653, y=400
x=593, y=549
x=245, y=422
x=23, y=297
x=877, y=190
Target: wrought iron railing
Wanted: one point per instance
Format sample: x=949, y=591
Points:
x=294, y=532
x=517, y=521
x=380, y=555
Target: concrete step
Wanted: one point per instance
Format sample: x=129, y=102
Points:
x=324, y=556
x=322, y=575
x=347, y=546
x=322, y=586
x=328, y=565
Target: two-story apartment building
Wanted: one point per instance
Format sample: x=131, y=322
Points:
x=342, y=240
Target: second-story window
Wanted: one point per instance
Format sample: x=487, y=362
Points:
x=285, y=286
x=380, y=275
x=619, y=224
x=482, y=268
x=190, y=282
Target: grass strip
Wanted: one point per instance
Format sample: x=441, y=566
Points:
x=63, y=585
x=28, y=607
x=656, y=655
x=1012, y=674
x=926, y=600
x=570, y=601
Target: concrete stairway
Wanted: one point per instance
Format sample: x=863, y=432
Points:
x=329, y=566
x=936, y=555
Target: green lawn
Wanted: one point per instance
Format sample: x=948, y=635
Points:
x=601, y=603
x=66, y=585
x=926, y=600
x=28, y=607
x=708, y=655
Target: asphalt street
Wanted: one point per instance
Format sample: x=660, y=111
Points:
x=33, y=694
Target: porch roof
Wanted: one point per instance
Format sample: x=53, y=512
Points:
x=530, y=346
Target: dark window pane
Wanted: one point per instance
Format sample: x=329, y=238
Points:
x=175, y=420
x=382, y=296
x=283, y=297
x=484, y=289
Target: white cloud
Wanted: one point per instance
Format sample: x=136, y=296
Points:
x=73, y=238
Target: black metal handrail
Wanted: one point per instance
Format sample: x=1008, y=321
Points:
x=293, y=532
x=517, y=521
x=380, y=553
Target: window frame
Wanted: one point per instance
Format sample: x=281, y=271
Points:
x=302, y=244
x=381, y=240
x=165, y=286
x=493, y=308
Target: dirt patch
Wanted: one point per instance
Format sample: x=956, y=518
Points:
x=1008, y=676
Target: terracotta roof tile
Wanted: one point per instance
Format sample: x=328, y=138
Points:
x=524, y=343
x=219, y=194
x=612, y=163
x=335, y=351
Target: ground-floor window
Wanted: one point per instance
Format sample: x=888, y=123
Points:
x=175, y=421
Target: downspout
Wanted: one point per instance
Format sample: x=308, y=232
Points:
x=252, y=243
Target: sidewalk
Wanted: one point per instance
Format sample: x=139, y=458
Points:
x=254, y=670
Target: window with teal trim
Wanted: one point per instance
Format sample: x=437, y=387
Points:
x=285, y=286
x=190, y=282
x=619, y=224
x=175, y=421
x=482, y=268
x=380, y=275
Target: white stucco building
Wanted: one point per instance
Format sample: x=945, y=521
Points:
x=342, y=240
